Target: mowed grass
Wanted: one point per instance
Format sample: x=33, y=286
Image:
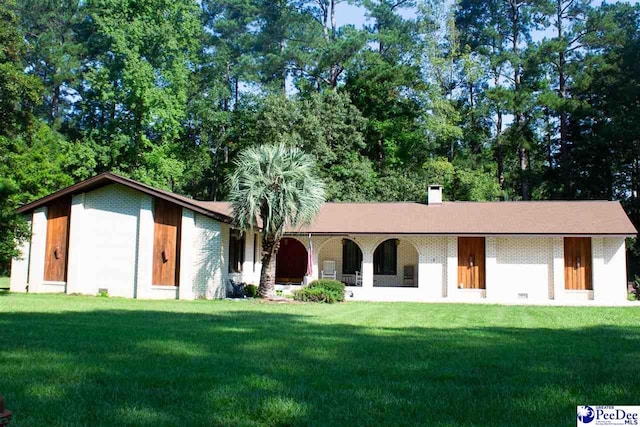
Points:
x=68, y=360
x=4, y=283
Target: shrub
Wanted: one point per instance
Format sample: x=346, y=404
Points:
x=635, y=291
x=329, y=284
x=251, y=291
x=325, y=290
x=631, y=296
x=307, y=294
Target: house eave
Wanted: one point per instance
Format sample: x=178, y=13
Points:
x=108, y=178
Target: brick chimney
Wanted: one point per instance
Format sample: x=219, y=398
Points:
x=434, y=194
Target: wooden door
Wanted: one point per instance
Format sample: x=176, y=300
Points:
x=471, y=263
x=166, y=245
x=577, y=263
x=291, y=261
x=55, y=262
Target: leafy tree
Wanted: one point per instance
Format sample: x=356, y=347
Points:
x=135, y=85
x=605, y=152
x=54, y=54
x=19, y=93
x=274, y=186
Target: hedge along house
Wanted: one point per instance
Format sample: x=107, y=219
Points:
x=114, y=234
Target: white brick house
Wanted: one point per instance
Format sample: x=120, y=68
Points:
x=112, y=234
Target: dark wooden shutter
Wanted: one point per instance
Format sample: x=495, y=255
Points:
x=55, y=264
x=577, y=263
x=351, y=257
x=166, y=246
x=385, y=258
x=471, y=263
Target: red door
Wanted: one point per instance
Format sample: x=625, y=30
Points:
x=291, y=261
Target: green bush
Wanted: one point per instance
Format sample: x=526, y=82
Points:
x=329, y=284
x=631, y=296
x=324, y=290
x=251, y=291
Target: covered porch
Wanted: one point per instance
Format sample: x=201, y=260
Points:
x=356, y=261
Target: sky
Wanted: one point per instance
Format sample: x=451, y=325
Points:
x=351, y=14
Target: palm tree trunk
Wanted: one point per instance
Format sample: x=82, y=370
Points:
x=270, y=245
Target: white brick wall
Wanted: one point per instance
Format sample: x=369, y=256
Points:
x=20, y=266
x=610, y=282
x=524, y=265
x=432, y=265
x=144, y=253
x=38, y=246
x=208, y=258
x=108, y=248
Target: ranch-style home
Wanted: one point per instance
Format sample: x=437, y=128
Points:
x=115, y=235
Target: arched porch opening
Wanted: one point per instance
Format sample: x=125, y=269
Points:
x=291, y=261
x=346, y=255
x=395, y=264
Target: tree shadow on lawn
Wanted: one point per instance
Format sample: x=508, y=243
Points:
x=109, y=367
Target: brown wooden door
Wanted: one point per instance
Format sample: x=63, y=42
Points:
x=577, y=263
x=291, y=261
x=166, y=246
x=471, y=262
x=55, y=263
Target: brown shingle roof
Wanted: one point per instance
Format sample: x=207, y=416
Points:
x=456, y=218
x=452, y=218
x=548, y=217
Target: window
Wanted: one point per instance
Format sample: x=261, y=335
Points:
x=385, y=258
x=236, y=251
x=351, y=257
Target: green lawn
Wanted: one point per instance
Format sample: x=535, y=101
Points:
x=4, y=283
x=68, y=360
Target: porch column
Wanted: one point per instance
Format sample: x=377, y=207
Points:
x=367, y=267
x=452, y=266
x=558, y=268
x=38, y=248
x=315, y=258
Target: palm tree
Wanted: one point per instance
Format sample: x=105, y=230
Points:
x=273, y=187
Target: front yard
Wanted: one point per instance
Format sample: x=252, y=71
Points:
x=68, y=360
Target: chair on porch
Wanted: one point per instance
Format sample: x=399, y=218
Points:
x=409, y=278
x=328, y=270
x=358, y=279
